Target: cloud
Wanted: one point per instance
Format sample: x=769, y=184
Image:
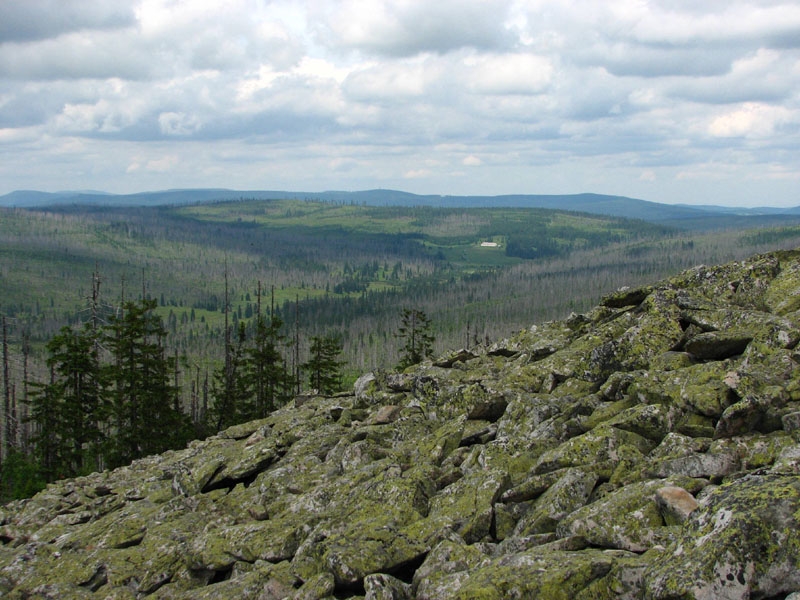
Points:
x=508, y=73
x=159, y=39
x=179, y=124
x=409, y=27
x=648, y=175
x=79, y=55
x=393, y=80
x=41, y=19
x=162, y=164
x=541, y=95
x=634, y=39
x=750, y=120
x=760, y=76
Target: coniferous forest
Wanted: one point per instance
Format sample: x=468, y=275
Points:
x=130, y=331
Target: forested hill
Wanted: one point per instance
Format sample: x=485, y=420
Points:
x=232, y=308
x=707, y=216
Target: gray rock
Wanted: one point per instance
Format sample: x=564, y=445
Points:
x=566, y=495
x=717, y=345
x=380, y=586
x=742, y=542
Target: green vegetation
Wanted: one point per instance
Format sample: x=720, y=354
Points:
x=323, y=366
x=415, y=331
x=109, y=399
x=195, y=275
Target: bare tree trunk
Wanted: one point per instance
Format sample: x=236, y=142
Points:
x=8, y=427
x=24, y=427
x=296, y=369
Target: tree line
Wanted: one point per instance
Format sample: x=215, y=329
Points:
x=113, y=390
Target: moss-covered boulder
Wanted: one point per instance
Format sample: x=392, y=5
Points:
x=536, y=573
x=626, y=519
x=742, y=542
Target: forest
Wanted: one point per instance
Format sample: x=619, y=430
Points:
x=127, y=331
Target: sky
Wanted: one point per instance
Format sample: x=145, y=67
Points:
x=678, y=101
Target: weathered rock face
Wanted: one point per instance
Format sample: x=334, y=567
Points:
x=647, y=449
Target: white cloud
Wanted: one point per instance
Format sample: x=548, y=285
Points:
x=103, y=117
x=648, y=175
x=543, y=96
x=750, y=120
x=508, y=74
x=143, y=165
x=409, y=27
x=179, y=123
x=392, y=80
x=163, y=164
x=39, y=19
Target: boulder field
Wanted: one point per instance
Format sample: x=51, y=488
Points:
x=648, y=449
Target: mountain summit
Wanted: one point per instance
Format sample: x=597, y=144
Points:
x=649, y=448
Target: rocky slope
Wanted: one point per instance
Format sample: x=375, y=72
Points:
x=647, y=449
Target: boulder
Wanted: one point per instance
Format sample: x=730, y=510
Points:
x=717, y=345
x=567, y=494
x=626, y=519
x=741, y=542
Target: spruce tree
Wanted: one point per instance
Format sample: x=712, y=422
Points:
x=231, y=394
x=264, y=371
x=324, y=370
x=70, y=411
x=254, y=380
x=144, y=415
x=415, y=330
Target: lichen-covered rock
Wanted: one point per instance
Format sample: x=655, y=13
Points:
x=385, y=587
x=319, y=586
x=599, y=449
x=536, y=573
x=649, y=448
x=716, y=345
x=468, y=504
x=626, y=519
x=626, y=296
x=742, y=542
x=446, y=567
x=566, y=495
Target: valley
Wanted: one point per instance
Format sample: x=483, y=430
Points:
x=321, y=269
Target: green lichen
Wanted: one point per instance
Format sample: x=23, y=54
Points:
x=742, y=542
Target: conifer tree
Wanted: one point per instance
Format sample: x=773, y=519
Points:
x=231, y=395
x=254, y=380
x=264, y=370
x=415, y=330
x=69, y=412
x=144, y=416
x=324, y=370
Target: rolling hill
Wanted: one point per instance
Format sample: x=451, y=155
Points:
x=692, y=217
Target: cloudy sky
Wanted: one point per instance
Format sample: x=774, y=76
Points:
x=667, y=100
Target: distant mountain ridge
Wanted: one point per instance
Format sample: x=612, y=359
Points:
x=617, y=206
